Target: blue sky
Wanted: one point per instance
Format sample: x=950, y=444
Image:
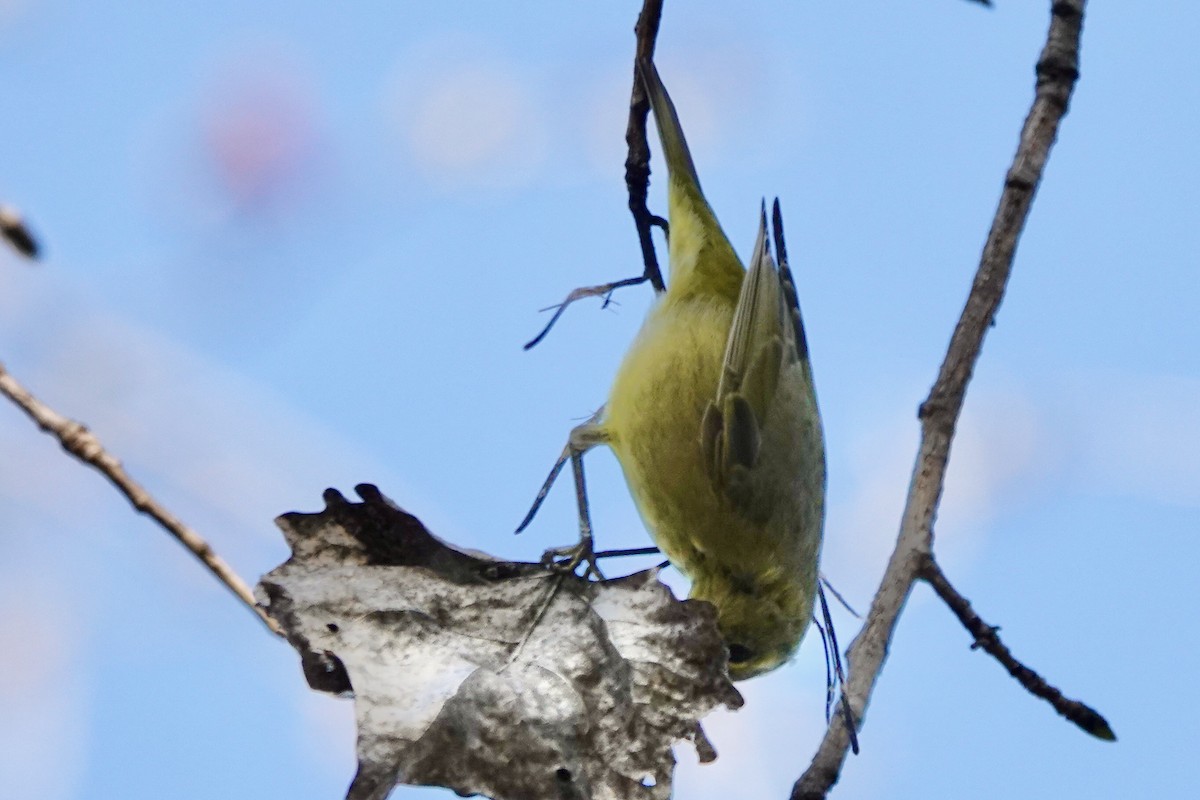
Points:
x=299, y=245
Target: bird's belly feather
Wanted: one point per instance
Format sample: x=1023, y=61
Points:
x=653, y=417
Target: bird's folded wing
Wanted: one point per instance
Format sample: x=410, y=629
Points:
x=762, y=342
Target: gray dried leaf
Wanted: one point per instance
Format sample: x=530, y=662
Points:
x=492, y=677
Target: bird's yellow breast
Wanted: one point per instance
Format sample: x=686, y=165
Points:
x=654, y=412
x=653, y=419
x=736, y=503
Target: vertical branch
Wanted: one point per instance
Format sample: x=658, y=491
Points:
x=637, y=164
x=1057, y=72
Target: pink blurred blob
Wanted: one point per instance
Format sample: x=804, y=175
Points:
x=259, y=131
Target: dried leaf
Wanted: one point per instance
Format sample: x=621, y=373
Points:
x=491, y=677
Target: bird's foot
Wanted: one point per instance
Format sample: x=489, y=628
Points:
x=564, y=560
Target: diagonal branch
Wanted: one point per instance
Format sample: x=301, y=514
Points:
x=1057, y=72
x=988, y=640
x=77, y=440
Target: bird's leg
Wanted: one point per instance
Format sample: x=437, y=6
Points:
x=545, y=490
x=567, y=559
x=563, y=458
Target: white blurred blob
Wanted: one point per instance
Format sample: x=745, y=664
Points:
x=12, y=10
x=41, y=477
x=1124, y=434
x=330, y=731
x=203, y=433
x=999, y=448
x=709, y=105
x=467, y=119
x=747, y=740
x=861, y=530
x=699, y=105
x=42, y=701
x=1134, y=434
x=223, y=452
x=602, y=112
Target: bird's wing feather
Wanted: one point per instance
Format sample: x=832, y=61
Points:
x=763, y=340
x=791, y=300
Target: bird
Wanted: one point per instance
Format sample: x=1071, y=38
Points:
x=713, y=418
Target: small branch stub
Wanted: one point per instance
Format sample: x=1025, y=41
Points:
x=987, y=639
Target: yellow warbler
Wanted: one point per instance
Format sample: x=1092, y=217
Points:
x=714, y=421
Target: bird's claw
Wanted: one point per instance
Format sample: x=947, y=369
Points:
x=565, y=560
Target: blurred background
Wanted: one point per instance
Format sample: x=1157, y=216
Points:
x=298, y=245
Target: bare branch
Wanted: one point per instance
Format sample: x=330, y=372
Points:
x=77, y=440
x=1057, y=72
x=637, y=164
x=986, y=639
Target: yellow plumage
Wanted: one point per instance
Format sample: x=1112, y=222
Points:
x=714, y=421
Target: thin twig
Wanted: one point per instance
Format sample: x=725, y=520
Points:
x=604, y=289
x=562, y=460
x=1057, y=72
x=77, y=440
x=987, y=639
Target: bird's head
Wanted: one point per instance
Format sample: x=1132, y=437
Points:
x=762, y=622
